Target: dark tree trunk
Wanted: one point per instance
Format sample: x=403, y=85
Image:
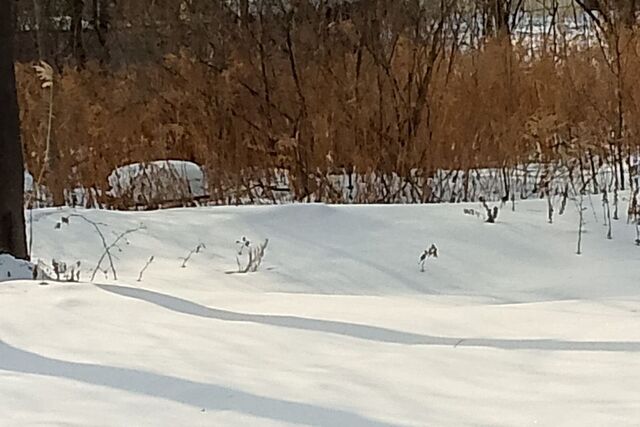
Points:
x=77, y=43
x=12, y=228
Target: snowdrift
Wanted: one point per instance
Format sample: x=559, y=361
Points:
x=338, y=327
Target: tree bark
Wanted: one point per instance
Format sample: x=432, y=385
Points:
x=12, y=227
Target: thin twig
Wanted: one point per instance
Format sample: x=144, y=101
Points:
x=145, y=268
x=107, y=253
x=195, y=250
x=107, y=247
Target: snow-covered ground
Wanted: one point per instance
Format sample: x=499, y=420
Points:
x=337, y=328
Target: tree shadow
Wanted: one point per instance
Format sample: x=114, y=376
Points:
x=365, y=332
x=195, y=394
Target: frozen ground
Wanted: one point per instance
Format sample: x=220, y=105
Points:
x=337, y=328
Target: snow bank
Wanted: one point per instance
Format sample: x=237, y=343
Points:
x=158, y=181
x=14, y=269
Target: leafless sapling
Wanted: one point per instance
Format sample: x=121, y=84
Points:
x=107, y=247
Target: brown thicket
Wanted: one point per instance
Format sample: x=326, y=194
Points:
x=382, y=88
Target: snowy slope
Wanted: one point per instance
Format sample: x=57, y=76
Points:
x=338, y=327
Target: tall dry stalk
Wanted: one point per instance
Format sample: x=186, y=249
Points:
x=45, y=74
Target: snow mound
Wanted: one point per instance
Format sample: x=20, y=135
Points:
x=28, y=182
x=158, y=181
x=14, y=269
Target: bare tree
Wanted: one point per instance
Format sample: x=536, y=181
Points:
x=12, y=228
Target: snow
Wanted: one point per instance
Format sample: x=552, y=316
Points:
x=338, y=327
x=14, y=269
x=28, y=181
x=158, y=180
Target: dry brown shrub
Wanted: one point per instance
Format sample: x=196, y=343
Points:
x=333, y=105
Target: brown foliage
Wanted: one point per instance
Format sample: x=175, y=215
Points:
x=378, y=94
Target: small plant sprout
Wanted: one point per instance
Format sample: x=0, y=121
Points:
x=254, y=254
x=492, y=214
x=428, y=253
x=242, y=243
x=147, y=264
x=66, y=273
x=195, y=250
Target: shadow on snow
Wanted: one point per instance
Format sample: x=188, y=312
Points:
x=196, y=394
x=365, y=332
